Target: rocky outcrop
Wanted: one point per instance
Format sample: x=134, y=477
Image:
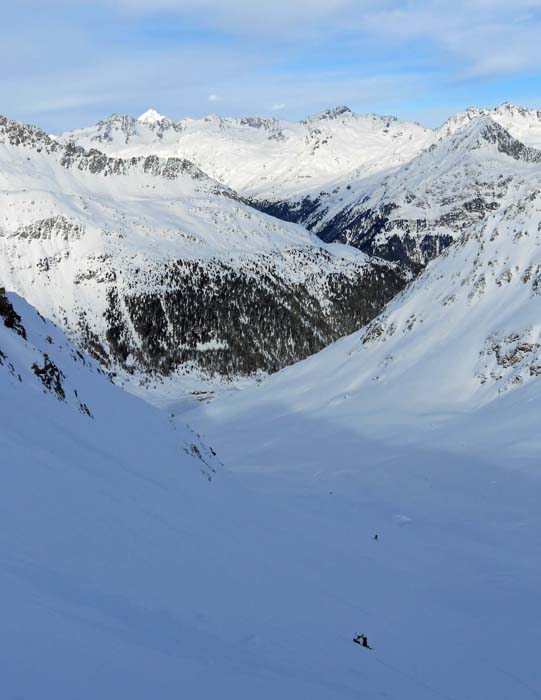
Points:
x=10, y=317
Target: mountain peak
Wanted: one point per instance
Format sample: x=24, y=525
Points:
x=341, y=111
x=151, y=116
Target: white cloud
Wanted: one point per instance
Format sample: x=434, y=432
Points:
x=277, y=18
x=490, y=38
x=473, y=32
x=394, y=55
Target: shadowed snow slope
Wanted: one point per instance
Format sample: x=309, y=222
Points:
x=126, y=573
x=424, y=429
x=454, y=359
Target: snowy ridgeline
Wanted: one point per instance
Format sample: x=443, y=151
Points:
x=390, y=188
x=159, y=270
x=155, y=268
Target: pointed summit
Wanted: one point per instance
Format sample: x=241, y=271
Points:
x=483, y=131
x=151, y=116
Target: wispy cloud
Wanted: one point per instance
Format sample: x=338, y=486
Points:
x=72, y=63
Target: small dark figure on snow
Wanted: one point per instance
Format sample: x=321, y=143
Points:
x=375, y=537
x=362, y=639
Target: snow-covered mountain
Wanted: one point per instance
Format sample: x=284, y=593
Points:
x=263, y=158
x=523, y=123
x=387, y=485
x=154, y=267
x=126, y=572
x=413, y=213
x=421, y=433
x=453, y=361
x=361, y=180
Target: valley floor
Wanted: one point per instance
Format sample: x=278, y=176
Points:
x=126, y=574
x=447, y=594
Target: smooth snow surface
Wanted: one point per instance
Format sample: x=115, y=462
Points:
x=126, y=573
x=424, y=429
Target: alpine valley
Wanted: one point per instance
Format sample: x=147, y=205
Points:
x=332, y=330
x=157, y=269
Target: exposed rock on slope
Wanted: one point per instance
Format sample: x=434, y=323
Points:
x=414, y=213
x=454, y=360
x=362, y=180
x=264, y=158
x=39, y=365
x=154, y=267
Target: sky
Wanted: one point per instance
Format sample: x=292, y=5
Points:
x=69, y=63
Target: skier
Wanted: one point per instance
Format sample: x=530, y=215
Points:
x=362, y=639
x=365, y=641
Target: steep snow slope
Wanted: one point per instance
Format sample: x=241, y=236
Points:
x=267, y=159
x=125, y=572
x=423, y=428
x=154, y=267
x=448, y=359
x=42, y=372
x=420, y=208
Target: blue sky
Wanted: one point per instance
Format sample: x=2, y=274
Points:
x=70, y=63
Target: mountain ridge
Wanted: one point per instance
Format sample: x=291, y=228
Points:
x=318, y=171
x=156, y=268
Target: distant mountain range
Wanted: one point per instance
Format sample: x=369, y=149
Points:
x=358, y=179
x=189, y=248
x=157, y=269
